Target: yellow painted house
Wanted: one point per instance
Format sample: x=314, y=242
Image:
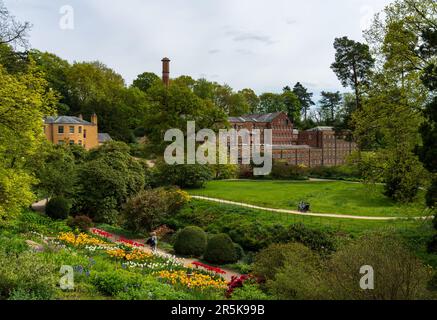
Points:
x=74, y=130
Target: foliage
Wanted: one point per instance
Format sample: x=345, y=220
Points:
x=345, y=172
x=329, y=105
x=107, y=180
x=24, y=100
x=296, y=273
x=403, y=177
x=305, y=98
x=83, y=223
x=26, y=275
x=190, y=241
x=398, y=273
x=56, y=171
x=58, y=208
x=220, y=249
x=145, y=81
x=172, y=107
x=284, y=170
x=146, y=210
x=353, y=63
x=184, y=175
x=250, y=292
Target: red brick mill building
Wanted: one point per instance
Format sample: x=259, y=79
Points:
x=320, y=146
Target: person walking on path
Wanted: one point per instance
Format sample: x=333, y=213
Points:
x=153, y=242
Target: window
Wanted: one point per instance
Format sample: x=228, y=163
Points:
x=61, y=129
x=79, y=142
x=71, y=129
x=84, y=134
x=71, y=142
x=80, y=129
x=61, y=142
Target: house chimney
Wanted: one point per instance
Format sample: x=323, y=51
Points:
x=80, y=116
x=166, y=71
x=94, y=118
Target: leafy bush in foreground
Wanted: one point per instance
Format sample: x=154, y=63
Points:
x=220, y=249
x=190, y=241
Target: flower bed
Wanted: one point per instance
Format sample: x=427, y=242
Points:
x=209, y=268
x=195, y=280
x=80, y=240
x=136, y=254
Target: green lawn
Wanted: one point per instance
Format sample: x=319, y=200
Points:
x=325, y=197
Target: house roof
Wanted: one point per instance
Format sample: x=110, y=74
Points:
x=322, y=129
x=104, y=137
x=66, y=120
x=267, y=117
x=290, y=147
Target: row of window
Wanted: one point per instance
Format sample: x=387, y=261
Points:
x=71, y=142
x=71, y=129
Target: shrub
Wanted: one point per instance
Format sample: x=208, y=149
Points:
x=239, y=251
x=58, y=208
x=220, y=249
x=190, y=241
x=26, y=275
x=345, y=172
x=250, y=292
x=184, y=176
x=245, y=172
x=400, y=274
x=113, y=282
x=314, y=239
x=284, y=170
x=83, y=223
x=146, y=210
x=291, y=271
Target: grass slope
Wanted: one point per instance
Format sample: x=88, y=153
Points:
x=325, y=197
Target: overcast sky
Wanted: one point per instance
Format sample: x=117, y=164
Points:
x=259, y=44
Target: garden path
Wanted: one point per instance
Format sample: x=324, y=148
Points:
x=324, y=215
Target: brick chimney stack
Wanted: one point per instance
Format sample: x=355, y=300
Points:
x=94, y=118
x=166, y=71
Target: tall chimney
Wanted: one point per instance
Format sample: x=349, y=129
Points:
x=166, y=71
x=94, y=118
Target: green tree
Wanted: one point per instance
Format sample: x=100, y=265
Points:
x=56, y=171
x=271, y=102
x=252, y=100
x=55, y=70
x=305, y=99
x=292, y=105
x=145, y=81
x=106, y=180
x=172, y=107
x=428, y=150
x=24, y=101
x=353, y=64
x=330, y=104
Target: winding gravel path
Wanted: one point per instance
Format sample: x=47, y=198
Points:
x=324, y=215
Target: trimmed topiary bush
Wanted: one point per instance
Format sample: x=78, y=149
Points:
x=220, y=250
x=58, y=208
x=190, y=241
